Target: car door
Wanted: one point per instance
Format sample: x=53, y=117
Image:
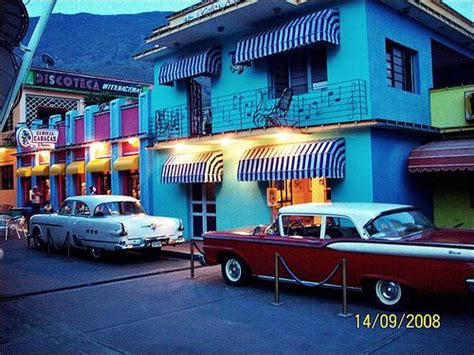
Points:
x=83, y=230
x=298, y=241
x=60, y=223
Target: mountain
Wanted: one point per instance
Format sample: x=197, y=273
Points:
x=96, y=44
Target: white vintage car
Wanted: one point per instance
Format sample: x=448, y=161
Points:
x=105, y=223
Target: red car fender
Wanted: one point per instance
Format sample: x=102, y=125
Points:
x=373, y=277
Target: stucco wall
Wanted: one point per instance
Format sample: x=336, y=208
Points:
x=447, y=107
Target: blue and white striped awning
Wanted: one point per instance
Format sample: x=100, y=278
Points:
x=302, y=31
x=316, y=159
x=204, y=62
x=193, y=168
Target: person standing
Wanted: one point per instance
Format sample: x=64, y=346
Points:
x=36, y=198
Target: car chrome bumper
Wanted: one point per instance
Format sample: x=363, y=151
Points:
x=470, y=285
x=148, y=243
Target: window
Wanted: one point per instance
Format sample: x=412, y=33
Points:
x=302, y=225
x=81, y=209
x=6, y=177
x=301, y=70
x=66, y=208
x=400, y=66
x=340, y=227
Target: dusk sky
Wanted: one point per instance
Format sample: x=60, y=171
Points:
x=116, y=7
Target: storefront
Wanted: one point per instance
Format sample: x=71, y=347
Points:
x=76, y=173
x=128, y=167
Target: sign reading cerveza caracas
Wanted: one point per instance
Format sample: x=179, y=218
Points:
x=37, y=138
x=80, y=82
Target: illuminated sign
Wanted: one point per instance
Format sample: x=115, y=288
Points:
x=37, y=138
x=206, y=10
x=78, y=82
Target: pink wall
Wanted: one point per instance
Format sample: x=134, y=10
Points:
x=79, y=130
x=79, y=154
x=102, y=126
x=128, y=149
x=130, y=121
x=26, y=160
x=62, y=134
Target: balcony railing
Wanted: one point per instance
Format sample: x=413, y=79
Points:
x=338, y=102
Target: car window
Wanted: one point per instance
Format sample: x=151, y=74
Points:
x=81, y=209
x=340, y=228
x=302, y=225
x=102, y=210
x=66, y=208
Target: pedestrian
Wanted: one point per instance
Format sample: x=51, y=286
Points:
x=36, y=198
x=92, y=190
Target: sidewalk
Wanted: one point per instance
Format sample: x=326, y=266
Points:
x=182, y=251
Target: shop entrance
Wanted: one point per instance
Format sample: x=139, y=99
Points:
x=43, y=185
x=296, y=191
x=102, y=183
x=203, y=208
x=26, y=185
x=79, y=182
x=131, y=183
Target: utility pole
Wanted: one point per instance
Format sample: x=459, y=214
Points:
x=27, y=60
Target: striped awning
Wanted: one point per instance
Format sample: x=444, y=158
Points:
x=316, y=159
x=204, y=62
x=302, y=31
x=193, y=168
x=451, y=155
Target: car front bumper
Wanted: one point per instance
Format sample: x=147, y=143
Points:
x=470, y=285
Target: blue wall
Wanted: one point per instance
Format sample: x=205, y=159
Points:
x=392, y=183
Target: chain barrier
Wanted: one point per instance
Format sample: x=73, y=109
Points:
x=342, y=264
x=192, y=245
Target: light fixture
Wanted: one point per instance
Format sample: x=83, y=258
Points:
x=225, y=142
x=276, y=10
x=2, y=150
x=220, y=29
x=282, y=136
x=44, y=154
x=176, y=44
x=180, y=147
x=133, y=141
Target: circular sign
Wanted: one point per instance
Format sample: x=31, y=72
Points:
x=24, y=137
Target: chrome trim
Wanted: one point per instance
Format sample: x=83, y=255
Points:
x=470, y=285
x=311, y=283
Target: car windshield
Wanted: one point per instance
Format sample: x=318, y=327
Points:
x=398, y=225
x=118, y=208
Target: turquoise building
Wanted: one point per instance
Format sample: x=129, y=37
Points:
x=231, y=145
x=261, y=104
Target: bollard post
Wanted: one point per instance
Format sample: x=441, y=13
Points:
x=68, y=248
x=48, y=237
x=191, y=245
x=344, y=313
x=277, y=281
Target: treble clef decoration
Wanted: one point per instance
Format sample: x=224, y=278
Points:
x=351, y=103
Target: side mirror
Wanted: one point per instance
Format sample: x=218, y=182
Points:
x=260, y=229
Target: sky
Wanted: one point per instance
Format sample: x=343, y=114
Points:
x=116, y=7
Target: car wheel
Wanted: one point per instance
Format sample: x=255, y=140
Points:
x=40, y=243
x=235, y=272
x=96, y=253
x=390, y=295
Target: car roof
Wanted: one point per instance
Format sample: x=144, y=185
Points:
x=93, y=200
x=361, y=213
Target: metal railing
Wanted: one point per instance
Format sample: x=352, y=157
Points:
x=332, y=103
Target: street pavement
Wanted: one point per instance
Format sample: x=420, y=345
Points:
x=168, y=312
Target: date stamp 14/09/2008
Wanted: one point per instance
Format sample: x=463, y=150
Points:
x=398, y=321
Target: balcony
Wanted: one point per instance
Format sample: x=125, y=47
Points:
x=333, y=103
x=452, y=107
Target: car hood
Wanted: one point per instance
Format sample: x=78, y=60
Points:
x=464, y=237
x=146, y=226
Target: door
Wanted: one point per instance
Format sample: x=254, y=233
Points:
x=61, y=224
x=203, y=208
x=200, y=122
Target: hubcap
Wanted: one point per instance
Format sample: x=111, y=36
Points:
x=233, y=270
x=388, y=292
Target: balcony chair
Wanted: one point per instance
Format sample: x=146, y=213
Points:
x=275, y=116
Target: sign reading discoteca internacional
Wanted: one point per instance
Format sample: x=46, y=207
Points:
x=80, y=82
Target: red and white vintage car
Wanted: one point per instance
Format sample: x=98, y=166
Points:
x=391, y=250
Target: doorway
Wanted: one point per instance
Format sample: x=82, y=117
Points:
x=203, y=208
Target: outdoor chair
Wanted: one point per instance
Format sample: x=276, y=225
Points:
x=17, y=224
x=4, y=224
x=275, y=116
